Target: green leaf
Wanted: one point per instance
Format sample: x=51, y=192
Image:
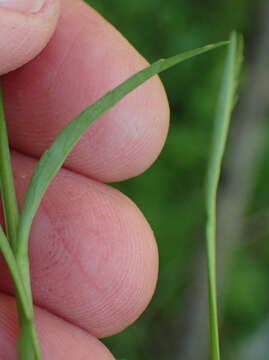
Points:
x=54, y=158
x=227, y=99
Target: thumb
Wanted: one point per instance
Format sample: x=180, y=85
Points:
x=26, y=27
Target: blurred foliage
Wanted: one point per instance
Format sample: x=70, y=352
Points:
x=171, y=192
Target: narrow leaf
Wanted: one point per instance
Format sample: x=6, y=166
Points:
x=53, y=159
x=227, y=99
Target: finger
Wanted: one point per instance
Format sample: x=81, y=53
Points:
x=59, y=340
x=26, y=27
x=86, y=58
x=93, y=256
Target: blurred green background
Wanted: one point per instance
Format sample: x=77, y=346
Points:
x=171, y=192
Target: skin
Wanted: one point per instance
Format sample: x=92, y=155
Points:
x=93, y=256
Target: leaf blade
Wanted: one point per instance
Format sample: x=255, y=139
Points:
x=53, y=159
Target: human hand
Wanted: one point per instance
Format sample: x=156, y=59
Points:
x=93, y=256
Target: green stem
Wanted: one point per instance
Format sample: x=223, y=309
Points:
x=8, y=193
x=28, y=343
x=16, y=276
x=212, y=288
x=28, y=347
x=227, y=99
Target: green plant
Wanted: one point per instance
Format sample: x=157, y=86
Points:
x=227, y=100
x=14, y=241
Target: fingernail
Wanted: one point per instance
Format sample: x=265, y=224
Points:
x=25, y=6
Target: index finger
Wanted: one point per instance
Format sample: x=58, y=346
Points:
x=86, y=58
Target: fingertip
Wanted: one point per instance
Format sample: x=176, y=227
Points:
x=94, y=258
x=24, y=35
x=58, y=339
x=86, y=58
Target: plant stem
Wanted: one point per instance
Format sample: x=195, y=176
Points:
x=212, y=288
x=8, y=193
x=13, y=268
x=227, y=99
x=28, y=344
x=28, y=347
